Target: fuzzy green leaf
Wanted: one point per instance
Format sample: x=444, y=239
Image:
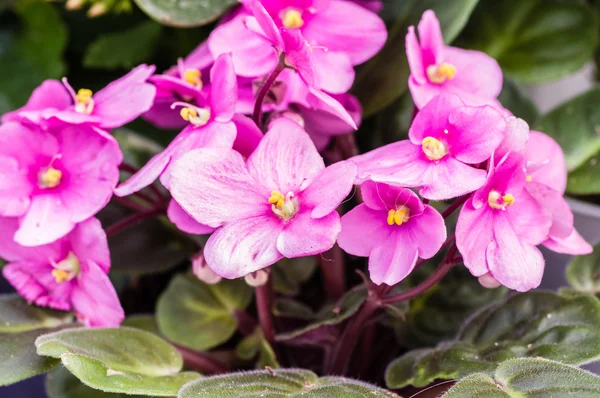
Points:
x=185, y=13
x=16, y=315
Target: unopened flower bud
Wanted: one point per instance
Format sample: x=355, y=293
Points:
x=74, y=5
x=258, y=278
x=488, y=281
x=203, y=271
x=96, y=10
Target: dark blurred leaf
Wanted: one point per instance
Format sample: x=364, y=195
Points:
x=290, y=273
x=256, y=344
x=185, y=13
x=534, y=40
x=385, y=77
x=123, y=49
x=513, y=99
x=584, y=272
x=584, y=179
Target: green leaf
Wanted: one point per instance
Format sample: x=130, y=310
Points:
x=290, y=273
x=535, y=40
x=16, y=315
x=200, y=316
x=533, y=324
x=123, y=49
x=137, y=149
x=255, y=344
x=33, y=53
x=584, y=272
x=531, y=378
x=144, y=322
x=97, y=375
x=280, y=383
x=584, y=179
x=385, y=78
x=513, y=99
x=18, y=357
x=119, y=349
x=183, y=13
x=575, y=125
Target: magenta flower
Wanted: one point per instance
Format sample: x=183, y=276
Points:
x=54, y=180
x=120, y=102
x=188, y=82
x=447, y=141
x=546, y=181
x=70, y=273
x=393, y=228
x=279, y=203
x=436, y=68
x=499, y=227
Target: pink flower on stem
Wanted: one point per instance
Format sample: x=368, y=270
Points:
x=546, y=181
x=53, y=180
x=393, y=228
x=279, y=203
x=70, y=273
x=188, y=81
x=436, y=68
x=447, y=141
x=54, y=104
x=499, y=228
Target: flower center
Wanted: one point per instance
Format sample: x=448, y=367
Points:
x=84, y=103
x=499, y=201
x=286, y=206
x=66, y=269
x=49, y=177
x=398, y=216
x=193, y=77
x=197, y=116
x=291, y=18
x=438, y=74
x=433, y=148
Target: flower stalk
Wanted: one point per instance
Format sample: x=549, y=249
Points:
x=264, y=90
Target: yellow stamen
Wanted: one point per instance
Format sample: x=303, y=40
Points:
x=194, y=77
x=498, y=201
x=188, y=113
x=286, y=206
x=529, y=178
x=49, y=178
x=196, y=116
x=85, y=102
x=398, y=216
x=277, y=198
x=292, y=19
x=60, y=275
x=67, y=269
x=434, y=149
x=438, y=74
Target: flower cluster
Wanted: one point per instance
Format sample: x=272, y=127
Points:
x=266, y=197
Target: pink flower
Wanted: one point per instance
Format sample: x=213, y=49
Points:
x=70, y=273
x=279, y=203
x=436, y=68
x=120, y=102
x=447, y=141
x=546, y=181
x=499, y=227
x=373, y=5
x=54, y=180
x=393, y=228
x=188, y=81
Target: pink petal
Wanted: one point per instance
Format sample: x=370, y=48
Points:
x=531, y=221
x=15, y=188
x=363, y=229
x=215, y=187
x=244, y=246
x=379, y=196
x=432, y=120
x=286, y=158
x=88, y=242
x=554, y=204
x=392, y=261
x=47, y=220
x=26, y=144
x=513, y=262
x=346, y=27
x=450, y=178
x=430, y=37
x=248, y=135
x=162, y=116
x=317, y=122
x=474, y=232
x=515, y=137
x=11, y=251
x=185, y=222
x=304, y=235
x=265, y=22
x=223, y=90
x=149, y=173
x=169, y=85
x=200, y=58
x=574, y=244
x=476, y=73
x=50, y=94
x=329, y=188
x=427, y=230
x=334, y=71
x=321, y=101
x=95, y=300
x=546, y=161
x=299, y=55
x=415, y=57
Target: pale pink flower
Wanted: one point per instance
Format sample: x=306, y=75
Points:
x=393, y=228
x=447, y=142
x=203, y=271
x=54, y=180
x=117, y=104
x=436, y=68
x=68, y=274
x=278, y=203
x=499, y=228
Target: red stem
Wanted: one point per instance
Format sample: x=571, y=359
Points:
x=130, y=204
x=134, y=218
x=201, y=362
x=454, y=206
x=334, y=276
x=264, y=90
x=263, y=307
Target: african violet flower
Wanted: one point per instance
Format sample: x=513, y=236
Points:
x=279, y=203
x=546, y=181
x=70, y=273
x=393, y=228
x=54, y=180
x=185, y=82
x=447, y=141
x=120, y=102
x=499, y=227
x=436, y=68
